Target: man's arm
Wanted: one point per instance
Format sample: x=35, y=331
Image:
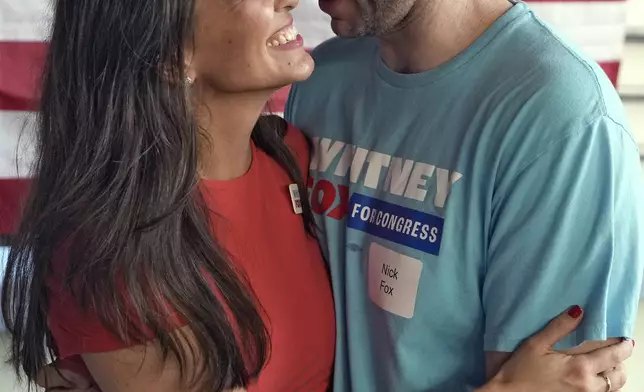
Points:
x=567, y=228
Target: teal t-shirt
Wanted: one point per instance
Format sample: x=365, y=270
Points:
x=464, y=207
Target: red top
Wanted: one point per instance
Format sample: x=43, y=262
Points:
x=255, y=222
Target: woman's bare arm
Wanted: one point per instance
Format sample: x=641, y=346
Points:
x=142, y=368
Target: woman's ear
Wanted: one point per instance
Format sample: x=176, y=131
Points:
x=190, y=74
x=173, y=76
x=187, y=77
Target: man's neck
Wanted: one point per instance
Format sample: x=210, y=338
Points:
x=227, y=121
x=436, y=31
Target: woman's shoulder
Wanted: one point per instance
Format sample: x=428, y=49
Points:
x=297, y=140
x=294, y=138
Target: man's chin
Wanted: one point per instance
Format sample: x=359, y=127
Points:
x=343, y=29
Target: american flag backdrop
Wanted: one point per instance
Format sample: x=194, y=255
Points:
x=596, y=26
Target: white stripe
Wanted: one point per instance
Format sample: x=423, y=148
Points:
x=28, y=20
x=24, y=20
x=4, y=254
x=16, y=129
x=313, y=24
x=635, y=17
x=631, y=73
x=635, y=115
x=597, y=28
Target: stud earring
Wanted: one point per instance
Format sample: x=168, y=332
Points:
x=189, y=81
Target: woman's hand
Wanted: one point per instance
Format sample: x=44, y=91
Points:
x=535, y=366
x=67, y=376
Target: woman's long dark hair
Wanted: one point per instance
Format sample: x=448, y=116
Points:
x=116, y=178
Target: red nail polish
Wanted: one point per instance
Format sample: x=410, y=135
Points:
x=575, y=312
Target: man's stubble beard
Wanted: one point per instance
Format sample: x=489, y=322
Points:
x=383, y=17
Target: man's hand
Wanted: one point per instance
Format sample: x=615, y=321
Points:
x=536, y=367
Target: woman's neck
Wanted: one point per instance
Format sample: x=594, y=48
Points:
x=227, y=121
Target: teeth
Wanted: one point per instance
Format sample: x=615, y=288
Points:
x=283, y=37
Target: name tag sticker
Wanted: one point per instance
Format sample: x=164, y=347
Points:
x=402, y=225
x=393, y=280
x=296, y=201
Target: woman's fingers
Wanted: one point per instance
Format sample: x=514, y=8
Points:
x=607, y=358
x=537, y=367
x=557, y=329
x=617, y=379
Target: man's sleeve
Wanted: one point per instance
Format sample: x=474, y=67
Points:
x=566, y=230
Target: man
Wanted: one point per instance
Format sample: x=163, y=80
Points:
x=474, y=176
x=474, y=180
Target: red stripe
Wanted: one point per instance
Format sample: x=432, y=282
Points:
x=612, y=70
x=277, y=103
x=21, y=66
x=13, y=192
x=22, y=61
x=20, y=69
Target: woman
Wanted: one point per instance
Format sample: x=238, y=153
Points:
x=164, y=246
x=145, y=156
